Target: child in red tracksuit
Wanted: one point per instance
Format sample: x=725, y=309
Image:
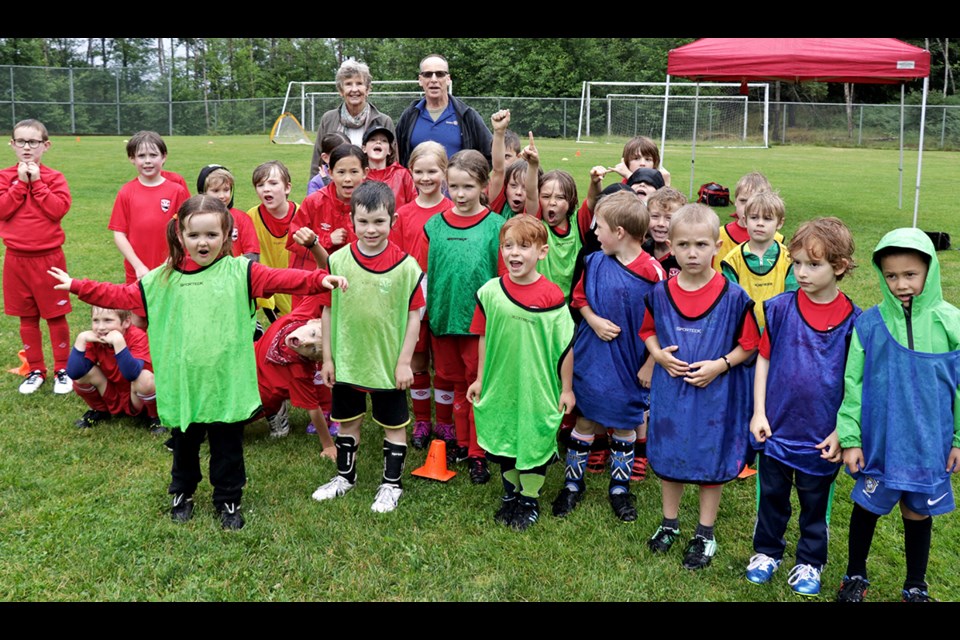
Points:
x=33, y=200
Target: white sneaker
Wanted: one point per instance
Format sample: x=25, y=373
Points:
x=61, y=382
x=33, y=382
x=333, y=489
x=279, y=422
x=388, y=495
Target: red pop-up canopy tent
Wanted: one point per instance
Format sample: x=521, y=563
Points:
x=865, y=60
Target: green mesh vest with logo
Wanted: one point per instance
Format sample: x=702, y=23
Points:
x=518, y=412
x=562, y=254
x=458, y=263
x=368, y=321
x=200, y=328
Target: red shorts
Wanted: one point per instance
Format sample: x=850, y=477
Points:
x=28, y=289
x=117, y=398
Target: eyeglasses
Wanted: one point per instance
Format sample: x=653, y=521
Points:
x=32, y=144
x=432, y=74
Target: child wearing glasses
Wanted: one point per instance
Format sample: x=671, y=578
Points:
x=33, y=200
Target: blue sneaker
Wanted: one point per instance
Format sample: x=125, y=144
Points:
x=761, y=568
x=804, y=579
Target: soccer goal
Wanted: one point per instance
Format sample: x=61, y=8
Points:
x=311, y=99
x=287, y=130
x=719, y=113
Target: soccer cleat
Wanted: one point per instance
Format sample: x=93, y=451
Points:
x=230, y=517
x=508, y=505
x=156, y=428
x=804, y=579
x=311, y=430
x=168, y=444
x=916, y=594
x=33, y=382
x=333, y=489
x=853, y=589
x=662, y=539
x=699, y=553
x=623, y=506
x=479, y=474
x=91, y=418
x=639, y=469
x=421, y=434
x=446, y=432
x=456, y=453
x=388, y=495
x=598, y=459
x=526, y=513
x=761, y=568
x=182, y=509
x=279, y=422
x=61, y=382
x=566, y=501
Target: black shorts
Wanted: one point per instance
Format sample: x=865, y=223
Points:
x=390, y=409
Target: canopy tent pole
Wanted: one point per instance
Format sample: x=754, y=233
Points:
x=923, y=120
x=663, y=127
x=900, y=168
x=693, y=148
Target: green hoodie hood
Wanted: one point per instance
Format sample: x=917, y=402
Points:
x=931, y=322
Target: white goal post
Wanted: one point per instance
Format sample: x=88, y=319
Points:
x=717, y=111
x=309, y=100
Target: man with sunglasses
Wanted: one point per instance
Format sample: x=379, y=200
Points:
x=440, y=117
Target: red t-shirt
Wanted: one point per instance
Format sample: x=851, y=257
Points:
x=540, y=294
x=821, y=317
x=695, y=303
x=400, y=181
x=104, y=357
x=142, y=213
x=380, y=263
x=30, y=212
x=407, y=233
x=737, y=233
x=173, y=176
x=645, y=266
x=244, y=235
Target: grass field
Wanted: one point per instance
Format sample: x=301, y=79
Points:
x=83, y=514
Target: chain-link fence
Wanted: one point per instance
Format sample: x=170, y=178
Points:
x=88, y=101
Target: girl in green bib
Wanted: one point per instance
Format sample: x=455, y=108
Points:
x=201, y=314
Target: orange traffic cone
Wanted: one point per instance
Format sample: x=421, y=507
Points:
x=24, y=367
x=577, y=154
x=436, y=465
x=746, y=472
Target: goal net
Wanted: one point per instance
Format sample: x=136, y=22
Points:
x=310, y=100
x=721, y=115
x=286, y=130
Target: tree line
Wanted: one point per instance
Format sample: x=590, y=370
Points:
x=228, y=68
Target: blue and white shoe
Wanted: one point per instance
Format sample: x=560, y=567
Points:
x=804, y=579
x=761, y=568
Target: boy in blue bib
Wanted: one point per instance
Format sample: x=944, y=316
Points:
x=898, y=423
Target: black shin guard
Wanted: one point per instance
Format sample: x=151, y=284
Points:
x=347, y=457
x=394, y=456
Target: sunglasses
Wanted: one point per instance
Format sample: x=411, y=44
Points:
x=432, y=74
